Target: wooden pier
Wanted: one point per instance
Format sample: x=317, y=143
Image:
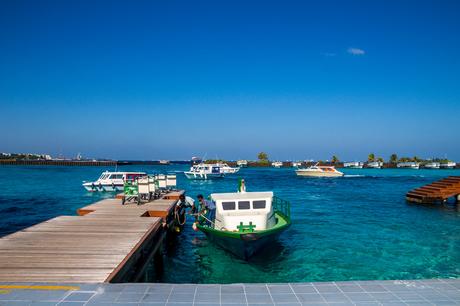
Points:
x=107, y=242
x=436, y=192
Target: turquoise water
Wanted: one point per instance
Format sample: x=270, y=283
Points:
x=355, y=227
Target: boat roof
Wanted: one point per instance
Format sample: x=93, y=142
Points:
x=119, y=172
x=241, y=195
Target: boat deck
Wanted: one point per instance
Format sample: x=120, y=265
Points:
x=102, y=244
x=436, y=192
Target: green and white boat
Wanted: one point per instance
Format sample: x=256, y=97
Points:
x=246, y=221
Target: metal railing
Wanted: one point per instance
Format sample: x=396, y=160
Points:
x=282, y=206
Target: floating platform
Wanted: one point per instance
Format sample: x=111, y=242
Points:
x=436, y=192
x=107, y=242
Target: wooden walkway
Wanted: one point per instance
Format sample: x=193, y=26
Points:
x=103, y=244
x=436, y=192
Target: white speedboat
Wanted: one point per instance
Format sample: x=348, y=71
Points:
x=204, y=172
x=319, y=171
x=296, y=164
x=448, y=165
x=277, y=164
x=375, y=164
x=242, y=163
x=409, y=165
x=111, y=181
x=432, y=165
x=353, y=165
x=226, y=169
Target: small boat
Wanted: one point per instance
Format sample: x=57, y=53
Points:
x=296, y=164
x=448, y=165
x=319, y=171
x=353, y=165
x=112, y=181
x=204, y=171
x=432, y=165
x=277, y=164
x=246, y=221
x=375, y=165
x=226, y=169
x=409, y=165
x=242, y=163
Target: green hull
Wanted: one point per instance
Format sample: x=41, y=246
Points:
x=246, y=244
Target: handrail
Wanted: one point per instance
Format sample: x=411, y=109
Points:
x=282, y=206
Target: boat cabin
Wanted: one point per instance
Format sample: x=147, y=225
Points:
x=245, y=211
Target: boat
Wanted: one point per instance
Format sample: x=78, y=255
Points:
x=296, y=164
x=242, y=163
x=432, y=165
x=112, y=181
x=375, y=165
x=204, y=171
x=227, y=169
x=277, y=164
x=353, y=165
x=319, y=171
x=246, y=222
x=409, y=165
x=448, y=165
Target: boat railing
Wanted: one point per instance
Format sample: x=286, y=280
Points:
x=282, y=206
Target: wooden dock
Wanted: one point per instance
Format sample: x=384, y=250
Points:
x=107, y=242
x=436, y=192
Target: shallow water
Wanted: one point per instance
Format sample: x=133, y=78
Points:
x=355, y=227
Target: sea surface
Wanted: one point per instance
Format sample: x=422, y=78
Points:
x=358, y=227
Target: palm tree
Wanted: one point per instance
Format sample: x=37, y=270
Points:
x=371, y=157
x=334, y=159
x=380, y=159
x=262, y=156
x=393, y=158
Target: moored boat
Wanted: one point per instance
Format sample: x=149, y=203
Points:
x=111, y=181
x=409, y=165
x=375, y=164
x=204, y=171
x=432, y=165
x=353, y=165
x=319, y=171
x=448, y=165
x=245, y=222
x=242, y=163
x=277, y=164
x=296, y=164
x=226, y=169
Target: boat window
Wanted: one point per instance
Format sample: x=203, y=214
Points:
x=243, y=205
x=228, y=205
x=259, y=204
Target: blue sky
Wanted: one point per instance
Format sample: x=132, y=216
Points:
x=175, y=79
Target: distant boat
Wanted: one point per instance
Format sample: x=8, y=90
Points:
x=353, y=165
x=319, y=171
x=277, y=164
x=164, y=162
x=375, y=164
x=448, y=165
x=242, y=163
x=296, y=164
x=432, y=165
x=204, y=171
x=112, y=181
x=409, y=165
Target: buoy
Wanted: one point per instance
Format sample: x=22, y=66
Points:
x=195, y=228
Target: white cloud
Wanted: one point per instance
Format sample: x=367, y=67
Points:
x=356, y=51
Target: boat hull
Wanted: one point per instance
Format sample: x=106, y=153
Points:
x=102, y=187
x=318, y=174
x=201, y=176
x=245, y=245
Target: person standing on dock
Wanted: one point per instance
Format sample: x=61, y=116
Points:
x=210, y=206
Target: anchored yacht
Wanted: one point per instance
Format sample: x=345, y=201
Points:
x=242, y=163
x=432, y=165
x=410, y=165
x=375, y=164
x=277, y=164
x=227, y=169
x=354, y=165
x=111, y=181
x=204, y=172
x=448, y=165
x=319, y=171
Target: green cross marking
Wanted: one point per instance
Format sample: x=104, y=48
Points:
x=246, y=228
